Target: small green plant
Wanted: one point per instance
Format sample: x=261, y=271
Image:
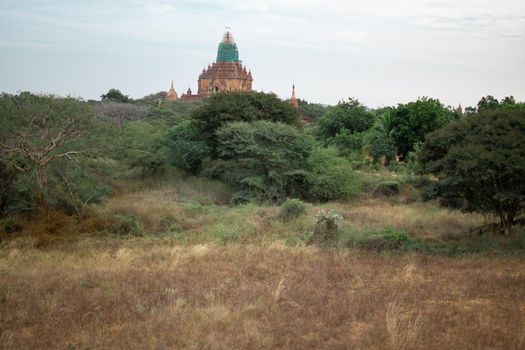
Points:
x=387, y=188
x=326, y=225
x=124, y=224
x=385, y=239
x=291, y=209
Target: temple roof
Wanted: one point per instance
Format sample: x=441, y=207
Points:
x=226, y=70
x=227, y=51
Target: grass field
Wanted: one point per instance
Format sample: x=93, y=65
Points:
x=150, y=293
x=160, y=266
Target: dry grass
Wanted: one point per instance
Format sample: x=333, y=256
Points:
x=145, y=294
x=418, y=219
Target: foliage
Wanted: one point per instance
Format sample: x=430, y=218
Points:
x=262, y=158
x=481, y=160
x=312, y=111
x=411, y=122
x=380, y=139
x=123, y=224
x=348, y=143
x=387, y=188
x=186, y=149
x=115, y=95
x=489, y=103
x=349, y=115
x=227, y=107
x=142, y=147
x=40, y=131
x=387, y=238
x=7, y=181
x=292, y=208
x=330, y=176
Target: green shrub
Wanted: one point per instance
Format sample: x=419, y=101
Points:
x=263, y=159
x=187, y=150
x=384, y=239
x=291, y=209
x=124, y=224
x=387, y=188
x=330, y=176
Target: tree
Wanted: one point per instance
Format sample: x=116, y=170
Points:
x=264, y=159
x=115, y=95
x=381, y=143
x=481, y=160
x=312, y=111
x=349, y=115
x=36, y=131
x=330, y=176
x=412, y=121
x=226, y=107
x=187, y=149
x=487, y=103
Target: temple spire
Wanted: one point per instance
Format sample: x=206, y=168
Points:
x=293, y=99
x=172, y=94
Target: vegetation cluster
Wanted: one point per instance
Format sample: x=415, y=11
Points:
x=64, y=154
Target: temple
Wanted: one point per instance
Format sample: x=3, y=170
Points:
x=293, y=99
x=226, y=74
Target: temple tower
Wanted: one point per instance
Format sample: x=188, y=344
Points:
x=227, y=73
x=293, y=99
x=172, y=94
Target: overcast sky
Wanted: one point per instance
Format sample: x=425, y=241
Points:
x=383, y=52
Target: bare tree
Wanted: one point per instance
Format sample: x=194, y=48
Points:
x=40, y=152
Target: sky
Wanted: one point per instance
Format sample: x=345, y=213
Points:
x=382, y=52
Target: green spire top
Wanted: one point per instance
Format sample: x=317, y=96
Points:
x=227, y=49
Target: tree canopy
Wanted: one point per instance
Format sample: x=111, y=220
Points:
x=226, y=107
x=350, y=116
x=115, y=95
x=412, y=121
x=481, y=160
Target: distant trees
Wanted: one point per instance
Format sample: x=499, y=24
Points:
x=348, y=116
x=226, y=107
x=312, y=111
x=115, y=95
x=412, y=121
x=481, y=160
x=489, y=103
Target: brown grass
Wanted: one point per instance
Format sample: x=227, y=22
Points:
x=152, y=294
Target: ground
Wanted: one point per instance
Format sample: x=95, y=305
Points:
x=181, y=270
x=144, y=293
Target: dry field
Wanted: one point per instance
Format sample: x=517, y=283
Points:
x=145, y=293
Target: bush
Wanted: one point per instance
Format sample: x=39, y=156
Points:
x=124, y=224
x=227, y=107
x=266, y=160
x=480, y=160
x=348, y=116
x=387, y=188
x=186, y=149
x=383, y=239
x=291, y=209
x=330, y=176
